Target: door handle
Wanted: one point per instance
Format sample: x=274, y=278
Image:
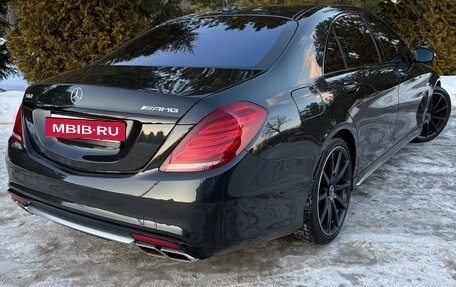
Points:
x=351, y=87
x=401, y=73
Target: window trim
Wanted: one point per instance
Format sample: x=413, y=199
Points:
x=333, y=33
x=407, y=49
x=374, y=39
x=372, y=36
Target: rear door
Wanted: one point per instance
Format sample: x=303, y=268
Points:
x=364, y=85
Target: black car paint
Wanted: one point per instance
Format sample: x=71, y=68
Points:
x=162, y=80
x=258, y=196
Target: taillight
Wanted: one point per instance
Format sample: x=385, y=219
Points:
x=17, y=129
x=217, y=138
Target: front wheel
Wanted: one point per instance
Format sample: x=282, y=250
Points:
x=437, y=115
x=327, y=204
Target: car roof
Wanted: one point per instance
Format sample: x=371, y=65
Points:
x=286, y=11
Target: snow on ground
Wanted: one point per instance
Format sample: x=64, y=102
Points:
x=449, y=84
x=10, y=100
x=400, y=231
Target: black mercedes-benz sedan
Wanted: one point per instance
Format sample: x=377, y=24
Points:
x=216, y=131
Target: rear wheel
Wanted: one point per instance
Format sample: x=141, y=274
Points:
x=326, y=206
x=437, y=115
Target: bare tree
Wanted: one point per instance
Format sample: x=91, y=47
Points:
x=275, y=124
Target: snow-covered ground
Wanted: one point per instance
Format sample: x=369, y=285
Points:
x=400, y=231
x=10, y=100
x=449, y=84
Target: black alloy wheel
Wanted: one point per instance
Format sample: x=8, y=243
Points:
x=326, y=208
x=334, y=191
x=437, y=115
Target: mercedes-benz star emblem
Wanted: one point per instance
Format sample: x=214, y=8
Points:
x=76, y=95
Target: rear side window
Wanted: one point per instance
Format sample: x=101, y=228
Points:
x=218, y=41
x=334, y=60
x=356, y=41
x=394, y=49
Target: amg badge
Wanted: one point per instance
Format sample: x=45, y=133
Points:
x=160, y=109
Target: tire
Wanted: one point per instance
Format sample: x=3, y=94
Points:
x=330, y=195
x=437, y=115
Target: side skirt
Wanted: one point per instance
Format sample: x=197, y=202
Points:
x=359, y=178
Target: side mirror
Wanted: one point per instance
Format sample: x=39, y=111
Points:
x=424, y=55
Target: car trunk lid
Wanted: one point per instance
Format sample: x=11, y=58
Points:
x=149, y=101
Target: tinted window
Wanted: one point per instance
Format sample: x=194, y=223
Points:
x=395, y=51
x=334, y=60
x=356, y=41
x=223, y=42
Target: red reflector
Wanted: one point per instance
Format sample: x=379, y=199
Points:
x=155, y=241
x=85, y=129
x=17, y=129
x=217, y=138
x=19, y=199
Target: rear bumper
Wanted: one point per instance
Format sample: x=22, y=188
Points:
x=248, y=202
x=105, y=230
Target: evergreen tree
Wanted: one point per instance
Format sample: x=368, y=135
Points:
x=5, y=65
x=426, y=22
x=158, y=11
x=202, y=5
x=57, y=36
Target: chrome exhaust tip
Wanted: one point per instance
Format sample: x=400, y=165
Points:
x=150, y=250
x=172, y=254
x=178, y=255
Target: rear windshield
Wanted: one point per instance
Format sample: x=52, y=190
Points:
x=244, y=42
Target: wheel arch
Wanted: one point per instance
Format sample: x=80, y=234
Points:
x=348, y=133
x=348, y=137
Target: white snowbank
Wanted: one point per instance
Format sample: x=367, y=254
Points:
x=9, y=103
x=10, y=100
x=14, y=83
x=449, y=84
